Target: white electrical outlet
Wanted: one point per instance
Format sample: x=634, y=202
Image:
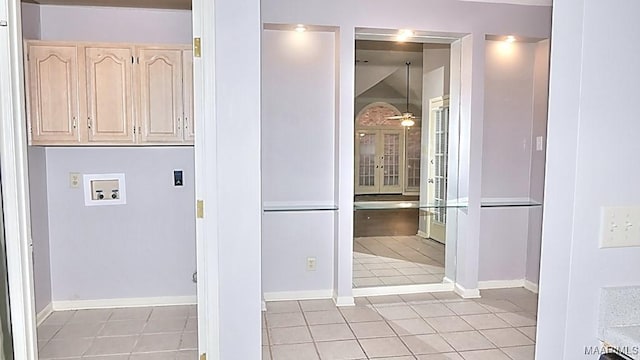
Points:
x=620, y=227
x=311, y=264
x=74, y=180
x=539, y=143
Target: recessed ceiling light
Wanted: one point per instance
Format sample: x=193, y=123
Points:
x=510, y=39
x=300, y=28
x=405, y=34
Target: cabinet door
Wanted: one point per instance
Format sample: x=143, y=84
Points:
x=187, y=89
x=109, y=94
x=160, y=83
x=52, y=97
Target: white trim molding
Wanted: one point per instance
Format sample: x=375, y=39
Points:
x=298, y=295
x=44, y=314
x=466, y=293
x=122, y=303
x=500, y=284
x=343, y=301
x=402, y=289
x=531, y=286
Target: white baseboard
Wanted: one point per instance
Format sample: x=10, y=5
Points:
x=126, y=302
x=466, y=293
x=531, y=286
x=44, y=314
x=342, y=301
x=446, y=280
x=402, y=289
x=264, y=305
x=298, y=295
x=422, y=234
x=500, y=284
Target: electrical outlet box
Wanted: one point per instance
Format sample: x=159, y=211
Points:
x=311, y=264
x=620, y=227
x=104, y=189
x=74, y=180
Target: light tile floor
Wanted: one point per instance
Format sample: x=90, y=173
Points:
x=158, y=333
x=499, y=326
x=397, y=260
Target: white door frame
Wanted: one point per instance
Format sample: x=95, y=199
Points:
x=15, y=184
x=13, y=162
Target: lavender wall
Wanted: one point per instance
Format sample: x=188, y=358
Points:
x=147, y=247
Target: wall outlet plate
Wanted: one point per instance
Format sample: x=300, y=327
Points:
x=74, y=180
x=620, y=227
x=311, y=264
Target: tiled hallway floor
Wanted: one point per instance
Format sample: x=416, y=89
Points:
x=499, y=326
x=397, y=260
x=158, y=333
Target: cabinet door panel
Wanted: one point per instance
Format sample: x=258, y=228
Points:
x=109, y=94
x=160, y=84
x=53, y=94
x=187, y=88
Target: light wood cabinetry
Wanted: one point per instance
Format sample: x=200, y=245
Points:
x=52, y=94
x=109, y=94
x=109, y=90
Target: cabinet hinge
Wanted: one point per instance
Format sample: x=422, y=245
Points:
x=200, y=209
x=197, y=47
x=203, y=356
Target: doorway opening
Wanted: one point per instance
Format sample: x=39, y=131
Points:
x=402, y=162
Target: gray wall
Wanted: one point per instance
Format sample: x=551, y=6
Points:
x=145, y=248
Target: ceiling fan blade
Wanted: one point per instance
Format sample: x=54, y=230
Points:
x=398, y=117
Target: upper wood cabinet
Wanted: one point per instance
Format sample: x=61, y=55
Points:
x=52, y=94
x=161, y=114
x=109, y=90
x=109, y=94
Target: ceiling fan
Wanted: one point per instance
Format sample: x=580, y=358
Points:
x=408, y=119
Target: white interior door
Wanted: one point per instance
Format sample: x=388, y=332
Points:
x=367, y=162
x=438, y=161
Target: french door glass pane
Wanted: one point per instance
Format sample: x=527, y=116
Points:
x=391, y=161
x=441, y=156
x=413, y=158
x=366, y=173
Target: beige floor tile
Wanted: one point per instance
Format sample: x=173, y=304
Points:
x=432, y=310
x=122, y=327
x=360, y=314
x=193, y=355
x=506, y=337
x=65, y=348
x=520, y=352
x=331, y=332
x=112, y=345
x=372, y=329
x=445, y=356
x=164, y=355
x=266, y=353
x=158, y=342
x=91, y=316
x=448, y=324
x=285, y=320
x=332, y=316
x=484, y=355
x=498, y=306
x=370, y=281
x=386, y=300
x=418, y=298
x=485, y=321
x=46, y=332
x=295, y=352
x=79, y=330
x=396, y=280
x=384, y=347
x=411, y=327
x=138, y=313
x=427, y=344
x=59, y=318
x=289, y=335
x=276, y=307
x=168, y=325
x=340, y=350
x=398, y=312
x=530, y=331
x=467, y=340
x=164, y=312
x=467, y=308
x=518, y=319
x=108, y=357
x=189, y=341
x=317, y=305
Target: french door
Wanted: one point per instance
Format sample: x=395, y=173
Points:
x=438, y=163
x=379, y=161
